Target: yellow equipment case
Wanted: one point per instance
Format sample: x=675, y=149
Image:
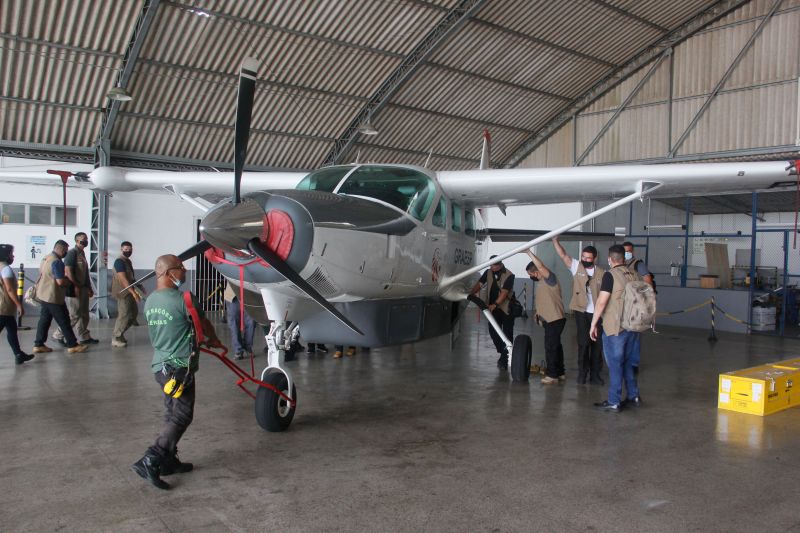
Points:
x=761, y=390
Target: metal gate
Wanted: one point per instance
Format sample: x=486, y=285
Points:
x=209, y=285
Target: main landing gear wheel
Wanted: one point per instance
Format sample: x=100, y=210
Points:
x=521, y=355
x=273, y=412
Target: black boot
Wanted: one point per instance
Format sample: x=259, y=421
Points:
x=173, y=465
x=502, y=362
x=148, y=468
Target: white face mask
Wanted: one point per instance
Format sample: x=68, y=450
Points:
x=628, y=256
x=177, y=282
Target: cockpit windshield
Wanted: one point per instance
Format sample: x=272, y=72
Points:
x=325, y=179
x=407, y=189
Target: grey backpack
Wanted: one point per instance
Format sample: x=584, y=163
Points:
x=638, y=306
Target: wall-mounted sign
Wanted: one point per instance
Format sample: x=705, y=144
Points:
x=36, y=248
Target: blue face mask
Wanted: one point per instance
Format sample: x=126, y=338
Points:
x=177, y=282
x=628, y=256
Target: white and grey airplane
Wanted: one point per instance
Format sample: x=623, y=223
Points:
x=375, y=255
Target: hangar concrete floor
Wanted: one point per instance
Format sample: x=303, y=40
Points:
x=401, y=439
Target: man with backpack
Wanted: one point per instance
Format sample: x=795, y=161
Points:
x=620, y=345
x=639, y=267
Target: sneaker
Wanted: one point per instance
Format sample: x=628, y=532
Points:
x=547, y=380
x=634, y=402
x=351, y=351
x=322, y=348
x=605, y=406
x=90, y=341
x=337, y=354
x=23, y=357
x=310, y=348
x=562, y=377
x=79, y=348
x=239, y=356
x=61, y=341
x=118, y=343
x=42, y=349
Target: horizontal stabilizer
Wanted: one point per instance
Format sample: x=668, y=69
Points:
x=524, y=235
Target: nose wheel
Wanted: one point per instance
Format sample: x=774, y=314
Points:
x=273, y=412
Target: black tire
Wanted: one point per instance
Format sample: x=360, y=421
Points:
x=521, y=355
x=273, y=412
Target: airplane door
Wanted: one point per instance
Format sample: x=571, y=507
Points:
x=436, y=250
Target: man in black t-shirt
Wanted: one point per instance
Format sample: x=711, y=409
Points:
x=500, y=286
x=79, y=291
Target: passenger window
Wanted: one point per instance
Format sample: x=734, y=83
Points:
x=440, y=215
x=470, y=222
x=456, y=217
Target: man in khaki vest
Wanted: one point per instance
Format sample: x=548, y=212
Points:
x=586, y=278
x=550, y=314
x=50, y=291
x=78, y=291
x=499, y=284
x=127, y=300
x=618, y=344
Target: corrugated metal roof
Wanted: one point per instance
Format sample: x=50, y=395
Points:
x=512, y=67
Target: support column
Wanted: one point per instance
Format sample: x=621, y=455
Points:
x=685, y=269
x=98, y=254
x=753, y=244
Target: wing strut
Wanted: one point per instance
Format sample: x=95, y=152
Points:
x=643, y=189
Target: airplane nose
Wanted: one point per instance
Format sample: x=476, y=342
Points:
x=230, y=227
x=281, y=225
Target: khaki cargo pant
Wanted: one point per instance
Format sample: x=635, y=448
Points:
x=127, y=310
x=78, y=317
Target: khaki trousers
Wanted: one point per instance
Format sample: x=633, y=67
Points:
x=126, y=315
x=78, y=317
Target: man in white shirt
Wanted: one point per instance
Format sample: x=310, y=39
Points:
x=586, y=278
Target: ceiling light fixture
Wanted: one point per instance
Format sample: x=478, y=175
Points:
x=366, y=128
x=119, y=94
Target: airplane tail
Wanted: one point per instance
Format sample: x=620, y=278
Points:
x=486, y=151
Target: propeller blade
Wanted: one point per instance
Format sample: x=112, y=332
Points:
x=258, y=248
x=244, y=112
x=195, y=250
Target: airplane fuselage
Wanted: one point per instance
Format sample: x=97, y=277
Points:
x=377, y=253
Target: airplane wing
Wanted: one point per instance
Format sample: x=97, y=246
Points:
x=525, y=186
x=525, y=235
x=128, y=179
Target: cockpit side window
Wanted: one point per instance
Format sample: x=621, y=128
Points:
x=325, y=179
x=469, y=222
x=407, y=189
x=440, y=215
x=456, y=217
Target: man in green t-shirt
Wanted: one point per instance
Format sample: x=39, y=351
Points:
x=175, y=356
